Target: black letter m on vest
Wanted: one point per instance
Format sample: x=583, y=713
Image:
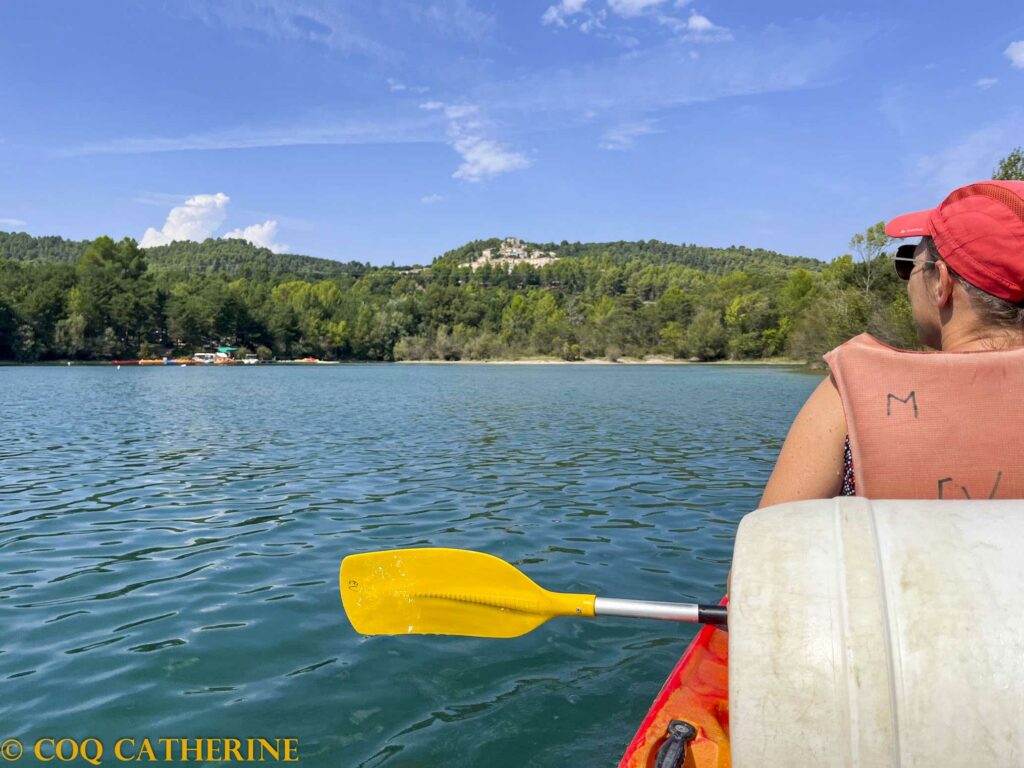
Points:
x=911, y=398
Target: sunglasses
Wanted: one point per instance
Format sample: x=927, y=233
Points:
x=904, y=261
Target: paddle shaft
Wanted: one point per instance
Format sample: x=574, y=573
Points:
x=646, y=609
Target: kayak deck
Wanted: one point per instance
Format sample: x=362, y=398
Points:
x=696, y=691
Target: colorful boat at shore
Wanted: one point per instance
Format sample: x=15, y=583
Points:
x=158, y=361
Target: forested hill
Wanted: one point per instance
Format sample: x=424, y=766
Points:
x=714, y=261
x=235, y=258
x=61, y=299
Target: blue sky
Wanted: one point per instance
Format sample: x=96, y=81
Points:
x=393, y=130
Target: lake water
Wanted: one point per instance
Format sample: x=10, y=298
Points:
x=170, y=541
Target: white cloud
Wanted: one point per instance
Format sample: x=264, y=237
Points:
x=460, y=111
x=1015, y=53
x=395, y=86
x=12, y=223
x=986, y=82
x=261, y=235
x=698, y=23
x=431, y=199
x=592, y=23
x=467, y=134
x=557, y=14
x=196, y=220
x=629, y=8
x=696, y=28
x=483, y=157
x=201, y=216
x=624, y=136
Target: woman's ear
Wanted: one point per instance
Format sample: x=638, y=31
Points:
x=944, y=284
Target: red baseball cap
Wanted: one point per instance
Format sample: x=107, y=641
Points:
x=979, y=231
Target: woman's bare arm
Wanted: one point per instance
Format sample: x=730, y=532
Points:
x=810, y=465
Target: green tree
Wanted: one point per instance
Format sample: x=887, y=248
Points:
x=706, y=337
x=516, y=321
x=868, y=247
x=117, y=296
x=1011, y=167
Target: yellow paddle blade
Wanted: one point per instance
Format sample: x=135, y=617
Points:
x=447, y=592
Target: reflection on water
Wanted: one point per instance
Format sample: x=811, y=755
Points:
x=170, y=538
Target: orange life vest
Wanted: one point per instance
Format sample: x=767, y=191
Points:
x=932, y=425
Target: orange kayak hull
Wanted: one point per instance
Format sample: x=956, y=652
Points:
x=696, y=691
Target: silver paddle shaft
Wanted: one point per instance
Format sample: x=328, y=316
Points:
x=648, y=609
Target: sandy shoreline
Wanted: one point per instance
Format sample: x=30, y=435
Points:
x=603, y=361
x=517, y=361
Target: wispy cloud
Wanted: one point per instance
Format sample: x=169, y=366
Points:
x=432, y=199
x=456, y=18
x=658, y=77
x=482, y=156
x=160, y=199
x=972, y=157
x=624, y=135
x=630, y=8
x=6, y=222
x=307, y=21
x=396, y=129
x=263, y=235
x=558, y=13
x=985, y=82
x=396, y=86
x=1015, y=53
x=695, y=28
x=483, y=125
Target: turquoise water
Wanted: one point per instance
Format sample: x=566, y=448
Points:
x=170, y=539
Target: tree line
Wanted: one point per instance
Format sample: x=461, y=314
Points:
x=103, y=300
x=618, y=300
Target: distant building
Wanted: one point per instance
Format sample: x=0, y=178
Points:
x=512, y=252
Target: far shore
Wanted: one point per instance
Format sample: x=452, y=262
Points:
x=605, y=361
x=654, y=360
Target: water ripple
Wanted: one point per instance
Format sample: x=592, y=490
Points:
x=171, y=538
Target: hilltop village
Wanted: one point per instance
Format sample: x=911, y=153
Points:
x=510, y=253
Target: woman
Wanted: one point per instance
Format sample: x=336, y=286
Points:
x=944, y=424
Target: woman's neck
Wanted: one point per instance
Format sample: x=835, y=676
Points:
x=979, y=341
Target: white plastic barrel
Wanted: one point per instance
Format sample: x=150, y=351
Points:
x=878, y=633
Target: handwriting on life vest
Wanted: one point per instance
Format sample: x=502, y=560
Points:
x=963, y=488
x=911, y=398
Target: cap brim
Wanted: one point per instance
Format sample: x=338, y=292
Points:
x=916, y=224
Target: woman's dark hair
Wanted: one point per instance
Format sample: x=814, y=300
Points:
x=993, y=311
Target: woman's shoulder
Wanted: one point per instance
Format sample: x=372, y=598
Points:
x=810, y=465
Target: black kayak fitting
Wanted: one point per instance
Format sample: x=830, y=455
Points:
x=672, y=754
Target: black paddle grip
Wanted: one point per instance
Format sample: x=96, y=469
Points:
x=713, y=614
